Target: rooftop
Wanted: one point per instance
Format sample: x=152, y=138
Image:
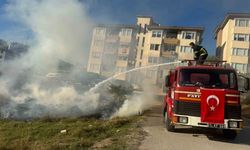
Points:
x=142, y=16
x=116, y=26
x=231, y=16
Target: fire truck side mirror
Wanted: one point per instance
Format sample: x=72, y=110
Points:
x=167, y=81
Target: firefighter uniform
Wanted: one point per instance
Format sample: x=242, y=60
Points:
x=200, y=54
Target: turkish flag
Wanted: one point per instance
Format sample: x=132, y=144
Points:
x=212, y=105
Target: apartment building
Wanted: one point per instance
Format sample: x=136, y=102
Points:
x=233, y=42
x=116, y=48
x=112, y=50
x=158, y=44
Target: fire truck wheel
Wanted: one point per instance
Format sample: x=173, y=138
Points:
x=170, y=127
x=230, y=134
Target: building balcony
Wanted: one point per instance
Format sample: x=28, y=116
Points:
x=123, y=51
x=125, y=39
x=172, y=41
x=168, y=54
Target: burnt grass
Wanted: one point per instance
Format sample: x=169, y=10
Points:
x=71, y=133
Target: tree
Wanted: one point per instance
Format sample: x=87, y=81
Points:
x=120, y=90
x=3, y=46
x=16, y=50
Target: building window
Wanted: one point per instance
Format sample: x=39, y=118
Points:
x=145, y=29
x=98, y=43
x=140, y=28
x=240, y=52
x=169, y=47
x=241, y=22
x=141, y=54
x=156, y=33
x=186, y=49
x=242, y=68
x=155, y=47
x=171, y=35
x=241, y=37
x=143, y=41
x=99, y=31
x=94, y=67
x=152, y=60
x=96, y=54
x=126, y=32
x=111, y=33
x=123, y=57
x=188, y=35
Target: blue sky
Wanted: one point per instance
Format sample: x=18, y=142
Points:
x=205, y=13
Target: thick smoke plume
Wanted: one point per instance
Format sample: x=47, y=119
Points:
x=60, y=31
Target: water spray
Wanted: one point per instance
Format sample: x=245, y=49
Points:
x=125, y=72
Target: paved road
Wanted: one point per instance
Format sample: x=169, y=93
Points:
x=187, y=138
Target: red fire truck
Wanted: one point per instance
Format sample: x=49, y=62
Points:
x=204, y=96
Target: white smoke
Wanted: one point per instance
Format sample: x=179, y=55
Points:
x=63, y=102
x=60, y=32
x=138, y=102
x=60, y=29
x=135, y=105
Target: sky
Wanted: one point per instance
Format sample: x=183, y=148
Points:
x=199, y=13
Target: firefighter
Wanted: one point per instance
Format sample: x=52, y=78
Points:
x=200, y=53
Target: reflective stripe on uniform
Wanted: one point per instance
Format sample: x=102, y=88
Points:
x=203, y=51
x=203, y=54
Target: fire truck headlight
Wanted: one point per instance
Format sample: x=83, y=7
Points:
x=183, y=119
x=233, y=124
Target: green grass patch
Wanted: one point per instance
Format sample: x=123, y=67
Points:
x=80, y=134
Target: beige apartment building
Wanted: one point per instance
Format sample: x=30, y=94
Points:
x=158, y=44
x=117, y=48
x=112, y=50
x=233, y=41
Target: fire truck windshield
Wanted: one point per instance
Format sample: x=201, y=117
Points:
x=208, y=78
